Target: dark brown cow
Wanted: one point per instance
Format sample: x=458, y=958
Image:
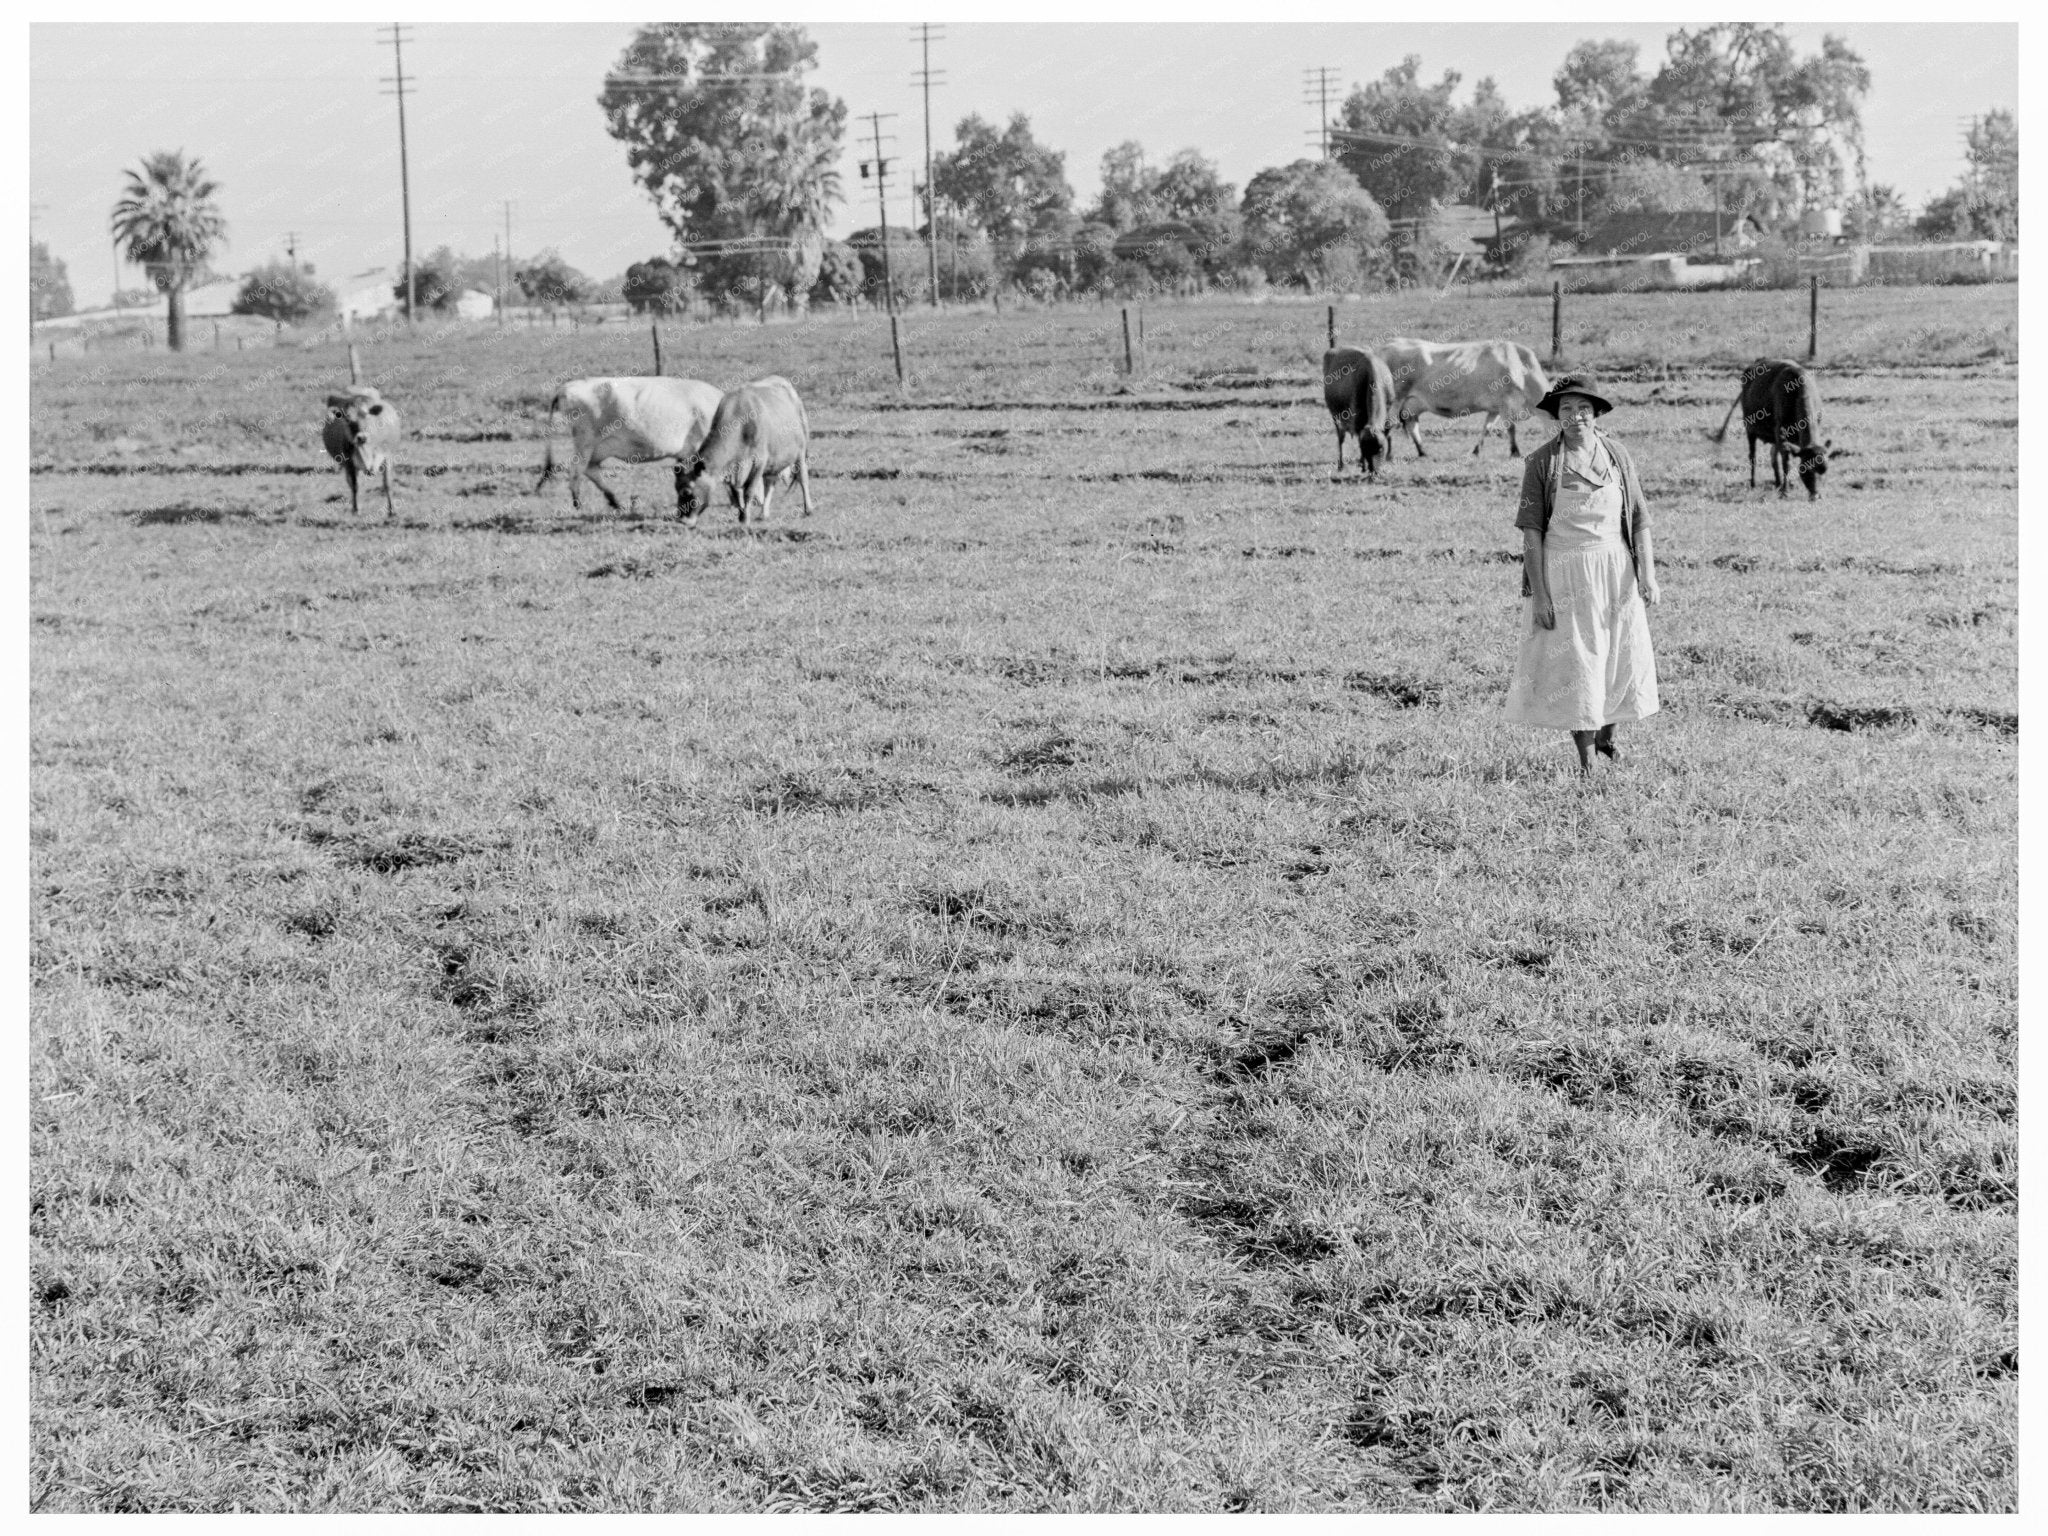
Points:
x=1360, y=394
x=1780, y=406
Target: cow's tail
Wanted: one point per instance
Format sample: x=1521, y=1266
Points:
x=547, y=463
x=1720, y=433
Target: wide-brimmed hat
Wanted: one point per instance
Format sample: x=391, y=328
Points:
x=1575, y=384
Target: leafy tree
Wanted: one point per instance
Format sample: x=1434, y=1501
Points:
x=168, y=224
x=1407, y=179
x=1740, y=88
x=1003, y=182
x=434, y=281
x=1993, y=189
x=1187, y=191
x=905, y=267
x=657, y=286
x=720, y=130
x=279, y=291
x=1598, y=85
x=1311, y=225
x=1641, y=185
x=1986, y=206
x=1946, y=217
x=1875, y=213
x=49, y=285
x=1126, y=199
x=549, y=281
x=1094, y=257
x=840, y=275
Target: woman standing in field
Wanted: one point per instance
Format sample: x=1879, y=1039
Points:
x=1585, y=663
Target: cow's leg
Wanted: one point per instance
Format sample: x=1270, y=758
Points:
x=1340, y=447
x=1414, y=436
x=1514, y=448
x=1752, y=463
x=1781, y=463
x=1484, y=426
x=803, y=480
x=390, y=511
x=348, y=472
x=591, y=470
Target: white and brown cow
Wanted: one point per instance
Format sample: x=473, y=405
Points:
x=361, y=433
x=637, y=420
x=759, y=437
x=1456, y=378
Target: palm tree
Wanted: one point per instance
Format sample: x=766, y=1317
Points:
x=169, y=225
x=798, y=188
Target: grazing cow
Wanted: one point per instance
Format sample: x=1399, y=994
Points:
x=361, y=433
x=1360, y=396
x=758, y=436
x=1780, y=406
x=634, y=419
x=1456, y=378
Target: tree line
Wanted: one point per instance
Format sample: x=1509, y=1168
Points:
x=741, y=160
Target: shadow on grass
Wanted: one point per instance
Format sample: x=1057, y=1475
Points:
x=185, y=512
x=1342, y=769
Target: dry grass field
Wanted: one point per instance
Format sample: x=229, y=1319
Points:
x=1047, y=986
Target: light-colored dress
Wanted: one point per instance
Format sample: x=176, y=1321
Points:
x=1596, y=667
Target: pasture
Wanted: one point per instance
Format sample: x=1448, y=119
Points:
x=1046, y=986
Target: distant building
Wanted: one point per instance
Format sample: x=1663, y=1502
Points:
x=1686, y=248
x=369, y=295
x=1651, y=236
x=475, y=304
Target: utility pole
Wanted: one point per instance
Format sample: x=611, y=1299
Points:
x=291, y=247
x=1317, y=83
x=1493, y=196
x=927, y=78
x=508, y=258
x=396, y=81
x=882, y=201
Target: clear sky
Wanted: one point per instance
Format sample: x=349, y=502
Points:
x=289, y=117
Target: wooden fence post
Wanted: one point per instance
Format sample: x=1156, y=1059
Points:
x=1556, y=322
x=1333, y=327
x=896, y=347
x=1813, y=317
x=53, y=352
x=1128, y=368
x=1143, y=361
x=216, y=335
x=654, y=330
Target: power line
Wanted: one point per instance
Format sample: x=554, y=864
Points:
x=1317, y=84
x=399, y=88
x=927, y=78
x=882, y=199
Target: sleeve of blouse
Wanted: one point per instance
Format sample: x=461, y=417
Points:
x=1529, y=510
x=1642, y=513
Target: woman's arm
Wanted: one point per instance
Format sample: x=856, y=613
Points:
x=1646, y=564
x=1539, y=583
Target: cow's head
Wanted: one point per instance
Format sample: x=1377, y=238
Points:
x=693, y=490
x=1373, y=445
x=353, y=417
x=1813, y=463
